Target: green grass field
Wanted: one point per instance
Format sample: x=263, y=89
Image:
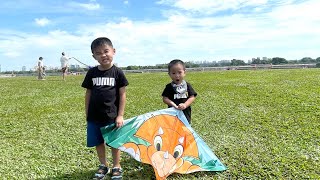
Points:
x=262, y=124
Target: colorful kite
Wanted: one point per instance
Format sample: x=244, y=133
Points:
x=165, y=140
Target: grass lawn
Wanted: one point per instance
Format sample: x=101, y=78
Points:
x=262, y=124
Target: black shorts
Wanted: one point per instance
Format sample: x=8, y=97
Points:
x=64, y=69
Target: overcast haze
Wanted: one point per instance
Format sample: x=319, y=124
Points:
x=154, y=32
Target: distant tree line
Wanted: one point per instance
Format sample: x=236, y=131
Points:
x=279, y=60
x=233, y=62
x=195, y=64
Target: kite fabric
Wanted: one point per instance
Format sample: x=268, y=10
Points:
x=165, y=140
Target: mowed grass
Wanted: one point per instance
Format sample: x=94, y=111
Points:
x=262, y=124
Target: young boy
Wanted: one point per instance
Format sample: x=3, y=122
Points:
x=105, y=101
x=179, y=93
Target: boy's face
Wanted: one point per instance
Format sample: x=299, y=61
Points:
x=177, y=73
x=104, y=55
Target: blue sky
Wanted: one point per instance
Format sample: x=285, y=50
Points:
x=155, y=31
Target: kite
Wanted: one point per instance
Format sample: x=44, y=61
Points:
x=165, y=140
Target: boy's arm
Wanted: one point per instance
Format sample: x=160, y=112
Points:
x=183, y=106
x=192, y=96
x=87, y=100
x=122, y=104
x=167, y=101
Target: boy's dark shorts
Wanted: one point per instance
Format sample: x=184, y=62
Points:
x=64, y=69
x=94, y=136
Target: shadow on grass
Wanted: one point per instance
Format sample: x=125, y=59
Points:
x=81, y=175
x=202, y=175
x=133, y=170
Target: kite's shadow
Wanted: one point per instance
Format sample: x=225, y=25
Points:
x=133, y=170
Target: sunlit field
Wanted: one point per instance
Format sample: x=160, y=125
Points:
x=262, y=124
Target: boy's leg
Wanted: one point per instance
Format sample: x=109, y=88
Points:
x=116, y=170
x=103, y=167
x=95, y=139
x=116, y=157
x=101, y=152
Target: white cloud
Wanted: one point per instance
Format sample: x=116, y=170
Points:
x=12, y=54
x=42, y=21
x=92, y=5
x=211, y=6
x=126, y=2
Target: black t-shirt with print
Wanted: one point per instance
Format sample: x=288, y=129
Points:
x=104, y=99
x=170, y=93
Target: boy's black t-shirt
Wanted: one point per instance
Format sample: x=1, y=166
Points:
x=104, y=99
x=170, y=93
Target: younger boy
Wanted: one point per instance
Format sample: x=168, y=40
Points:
x=105, y=101
x=179, y=93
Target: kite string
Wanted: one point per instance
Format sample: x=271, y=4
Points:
x=80, y=61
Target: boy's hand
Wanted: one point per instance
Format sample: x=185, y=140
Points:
x=182, y=106
x=119, y=121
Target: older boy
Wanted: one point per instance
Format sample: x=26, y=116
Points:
x=105, y=101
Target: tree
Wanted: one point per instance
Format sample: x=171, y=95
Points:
x=133, y=68
x=256, y=61
x=318, y=60
x=235, y=62
x=279, y=60
x=307, y=60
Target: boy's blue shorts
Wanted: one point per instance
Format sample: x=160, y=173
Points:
x=94, y=136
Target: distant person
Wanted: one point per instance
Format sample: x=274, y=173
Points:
x=64, y=65
x=179, y=93
x=40, y=69
x=105, y=100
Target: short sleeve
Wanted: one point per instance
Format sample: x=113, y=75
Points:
x=87, y=82
x=122, y=80
x=191, y=91
x=166, y=91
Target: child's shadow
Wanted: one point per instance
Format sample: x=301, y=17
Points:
x=133, y=170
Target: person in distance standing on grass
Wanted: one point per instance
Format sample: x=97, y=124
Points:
x=105, y=100
x=40, y=69
x=179, y=93
x=64, y=65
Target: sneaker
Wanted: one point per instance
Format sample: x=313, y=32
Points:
x=116, y=173
x=102, y=171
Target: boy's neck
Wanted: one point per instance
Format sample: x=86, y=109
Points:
x=103, y=68
x=179, y=83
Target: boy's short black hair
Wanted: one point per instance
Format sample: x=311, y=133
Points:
x=174, y=62
x=40, y=58
x=99, y=42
